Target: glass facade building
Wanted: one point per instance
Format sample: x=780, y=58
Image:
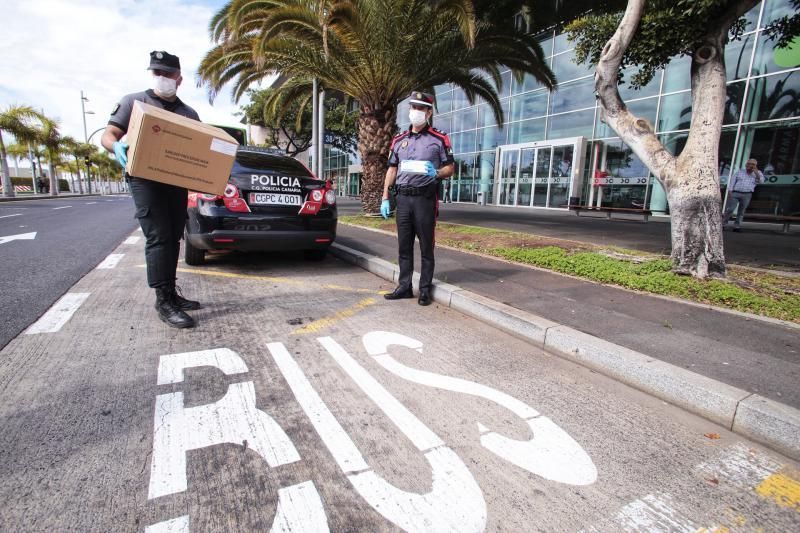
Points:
x=553, y=150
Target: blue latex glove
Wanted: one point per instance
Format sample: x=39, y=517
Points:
x=385, y=209
x=121, y=153
x=430, y=170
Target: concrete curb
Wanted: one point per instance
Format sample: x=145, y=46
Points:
x=59, y=197
x=771, y=423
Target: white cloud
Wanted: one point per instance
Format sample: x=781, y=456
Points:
x=53, y=49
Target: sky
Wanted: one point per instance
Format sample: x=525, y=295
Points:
x=53, y=49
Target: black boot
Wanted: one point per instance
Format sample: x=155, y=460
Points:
x=183, y=303
x=169, y=312
x=424, y=297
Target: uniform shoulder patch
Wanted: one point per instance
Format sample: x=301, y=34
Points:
x=437, y=130
x=116, y=108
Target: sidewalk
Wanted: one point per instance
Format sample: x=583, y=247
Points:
x=758, y=355
x=21, y=197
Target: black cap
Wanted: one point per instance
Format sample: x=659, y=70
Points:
x=420, y=98
x=161, y=60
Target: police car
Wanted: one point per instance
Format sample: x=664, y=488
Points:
x=271, y=203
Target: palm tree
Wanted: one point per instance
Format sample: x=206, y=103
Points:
x=374, y=51
x=80, y=151
x=16, y=152
x=19, y=121
x=50, y=138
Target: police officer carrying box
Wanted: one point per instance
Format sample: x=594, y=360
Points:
x=160, y=208
x=418, y=158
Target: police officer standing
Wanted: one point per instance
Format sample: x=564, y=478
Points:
x=160, y=208
x=418, y=158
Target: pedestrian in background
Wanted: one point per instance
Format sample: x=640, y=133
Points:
x=160, y=208
x=740, y=192
x=418, y=158
x=446, y=196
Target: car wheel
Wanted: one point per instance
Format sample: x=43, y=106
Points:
x=315, y=255
x=193, y=256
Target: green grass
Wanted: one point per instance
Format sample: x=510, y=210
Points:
x=655, y=277
x=649, y=273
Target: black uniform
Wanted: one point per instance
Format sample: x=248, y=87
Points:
x=417, y=199
x=160, y=208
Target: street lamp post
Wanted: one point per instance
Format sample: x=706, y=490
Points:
x=86, y=137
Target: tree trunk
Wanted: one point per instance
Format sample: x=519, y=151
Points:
x=80, y=179
x=696, y=223
x=375, y=129
x=691, y=180
x=8, y=188
x=53, y=178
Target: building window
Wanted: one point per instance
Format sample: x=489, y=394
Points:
x=573, y=95
x=773, y=97
x=575, y=124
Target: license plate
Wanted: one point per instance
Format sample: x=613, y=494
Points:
x=271, y=198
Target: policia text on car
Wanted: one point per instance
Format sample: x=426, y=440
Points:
x=418, y=158
x=160, y=208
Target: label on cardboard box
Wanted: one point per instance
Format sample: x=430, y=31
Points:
x=223, y=147
x=177, y=150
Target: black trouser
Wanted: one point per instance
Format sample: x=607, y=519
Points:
x=161, y=211
x=416, y=217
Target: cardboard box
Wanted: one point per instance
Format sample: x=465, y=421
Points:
x=170, y=148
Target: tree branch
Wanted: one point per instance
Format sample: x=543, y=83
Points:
x=636, y=132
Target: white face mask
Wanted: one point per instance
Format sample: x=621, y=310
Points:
x=165, y=87
x=417, y=117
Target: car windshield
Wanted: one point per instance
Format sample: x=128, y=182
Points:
x=249, y=162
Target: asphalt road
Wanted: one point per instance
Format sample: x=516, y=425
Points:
x=760, y=245
x=72, y=235
x=304, y=401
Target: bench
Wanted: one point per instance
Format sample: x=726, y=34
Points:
x=786, y=220
x=767, y=207
x=611, y=210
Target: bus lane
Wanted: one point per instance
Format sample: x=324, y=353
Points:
x=305, y=402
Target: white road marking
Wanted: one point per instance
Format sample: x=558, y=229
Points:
x=300, y=510
x=344, y=451
x=740, y=466
x=551, y=453
x=455, y=502
x=9, y=216
x=90, y=203
x=175, y=525
x=58, y=314
x=171, y=367
x=131, y=240
x=111, y=261
x=62, y=207
x=653, y=514
x=19, y=237
x=234, y=419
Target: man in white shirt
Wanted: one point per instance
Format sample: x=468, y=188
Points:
x=740, y=192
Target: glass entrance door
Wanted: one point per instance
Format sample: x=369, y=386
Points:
x=527, y=162
x=538, y=174
x=560, y=177
x=507, y=182
x=544, y=160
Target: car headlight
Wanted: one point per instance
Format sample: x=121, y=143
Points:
x=316, y=195
x=330, y=196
